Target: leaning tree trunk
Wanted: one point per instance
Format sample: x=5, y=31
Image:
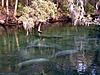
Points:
x=2, y=3
x=15, y=11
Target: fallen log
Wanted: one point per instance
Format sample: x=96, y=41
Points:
x=63, y=18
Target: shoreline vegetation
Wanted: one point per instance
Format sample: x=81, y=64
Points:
x=36, y=13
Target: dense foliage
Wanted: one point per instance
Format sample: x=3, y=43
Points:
x=90, y=8
x=38, y=10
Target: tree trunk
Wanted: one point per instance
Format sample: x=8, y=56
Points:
x=2, y=3
x=15, y=11
x=7, y=3
x=12, y=3
x=27, y=2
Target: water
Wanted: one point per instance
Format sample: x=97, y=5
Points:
x=60, y=50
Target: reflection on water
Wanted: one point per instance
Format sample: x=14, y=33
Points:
x=69, y=51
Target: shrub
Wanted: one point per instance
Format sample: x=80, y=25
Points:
x=39, y=9
x=90, y=8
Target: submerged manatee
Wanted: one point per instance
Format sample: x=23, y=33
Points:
x=65, y=53
x=32, y=61
x=39, y=66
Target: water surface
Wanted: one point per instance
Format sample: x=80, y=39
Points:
x=60, y=50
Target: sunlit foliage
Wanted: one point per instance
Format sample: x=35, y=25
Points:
x=90, y=8
x=38, y=10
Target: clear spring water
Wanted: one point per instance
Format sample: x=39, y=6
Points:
x=60, y=50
